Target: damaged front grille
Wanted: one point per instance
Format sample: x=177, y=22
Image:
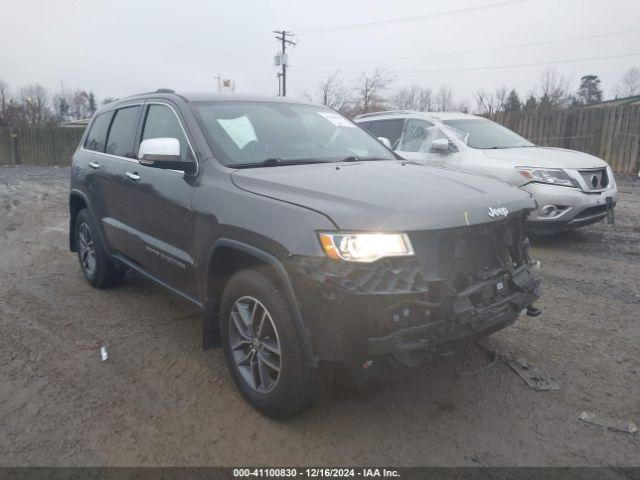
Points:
x=462, y=257
x=460, y=282
x=393, y=275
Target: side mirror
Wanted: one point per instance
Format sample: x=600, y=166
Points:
x=440, y=145
x=386, y=142
x=163, y=153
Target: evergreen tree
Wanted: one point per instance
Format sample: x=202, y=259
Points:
x=531, y=104
x=63, y=108
x=513, y=102
x=589, y=91
x=92, y=104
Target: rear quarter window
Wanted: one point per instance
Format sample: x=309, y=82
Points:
x=96, y=138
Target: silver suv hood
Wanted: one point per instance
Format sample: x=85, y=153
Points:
x=546, y=157
x=386, y=195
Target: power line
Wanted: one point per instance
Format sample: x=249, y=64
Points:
x=478, y=50
x=311, y=31
x=495, y=67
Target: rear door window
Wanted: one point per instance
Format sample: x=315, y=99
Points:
x=97, y=135
x=161, y=122
x=391, y=129
x=123, y=132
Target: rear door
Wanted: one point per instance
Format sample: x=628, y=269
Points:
x=416, y=140
x=118, y=152
x=104, y=180
x=157, y=204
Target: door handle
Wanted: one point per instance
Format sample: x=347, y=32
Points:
x=133, y=176
x=94, y=165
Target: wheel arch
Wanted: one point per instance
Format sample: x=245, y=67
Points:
x=228, y=256
x=77, y=202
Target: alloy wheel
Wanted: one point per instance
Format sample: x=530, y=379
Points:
x=86, y=249
x=255, y=345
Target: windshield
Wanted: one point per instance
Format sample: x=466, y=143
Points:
x=487, y=134
x=243, y=133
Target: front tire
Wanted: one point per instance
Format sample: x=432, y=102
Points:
x=97, y=267
x=262, y=347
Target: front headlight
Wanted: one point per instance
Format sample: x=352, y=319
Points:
x=547, y=175
x=365, y=247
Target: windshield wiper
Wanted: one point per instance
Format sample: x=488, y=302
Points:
x=355, y=158
x=275, y=162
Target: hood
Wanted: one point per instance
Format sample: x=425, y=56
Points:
x=385, y=195
x=545, y=157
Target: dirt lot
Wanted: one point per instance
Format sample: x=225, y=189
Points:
x=161, y=400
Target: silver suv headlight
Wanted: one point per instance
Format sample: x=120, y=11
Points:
x=552, y=176
x=365, y=247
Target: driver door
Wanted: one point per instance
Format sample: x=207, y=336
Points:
x=415, y=145
x=158, y=203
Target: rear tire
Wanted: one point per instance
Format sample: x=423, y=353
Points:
x=279, y=386
x=97, y=267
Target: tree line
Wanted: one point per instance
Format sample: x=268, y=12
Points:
x=372, y=91
x=33, y=105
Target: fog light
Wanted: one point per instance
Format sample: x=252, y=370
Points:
x=549, y=211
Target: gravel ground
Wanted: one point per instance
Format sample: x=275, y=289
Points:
x=161, y=400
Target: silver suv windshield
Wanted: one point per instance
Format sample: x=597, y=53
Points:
x=482, y=134
x=254, y=133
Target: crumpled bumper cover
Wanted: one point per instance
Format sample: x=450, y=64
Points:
x=357, y=311
x=465, y=319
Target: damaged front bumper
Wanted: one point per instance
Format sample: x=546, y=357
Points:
x=461, y=283
x=465, y=319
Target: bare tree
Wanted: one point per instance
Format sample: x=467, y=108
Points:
x=488, y=103
x=35, y=105
x=413, y=98
x=80, y=105
x=62, y=105
x=553, y=90
x=629, y=84
x=463, y=106
x=407, y=98
x=370, y=93
x=426, y=100
x=444, y=99
x=4, y=102
x=333, y=93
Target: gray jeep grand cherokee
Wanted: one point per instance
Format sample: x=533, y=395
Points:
x=306, y=243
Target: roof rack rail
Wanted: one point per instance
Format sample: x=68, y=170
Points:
x=165, y=90
x=384, y=112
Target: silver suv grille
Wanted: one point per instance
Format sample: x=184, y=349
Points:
x=596, y=179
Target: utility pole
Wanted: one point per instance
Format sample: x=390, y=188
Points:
x=281, y=59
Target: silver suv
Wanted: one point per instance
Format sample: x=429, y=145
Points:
x=571, y=188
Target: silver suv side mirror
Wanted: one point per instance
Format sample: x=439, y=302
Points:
x=440, y=145
x=163, y=153
x=386, y=142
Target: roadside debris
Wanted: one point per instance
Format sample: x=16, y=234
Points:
x=532, y=376
x=104, y=355
x=625, y=426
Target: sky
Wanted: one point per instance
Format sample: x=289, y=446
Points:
x=118, y=48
